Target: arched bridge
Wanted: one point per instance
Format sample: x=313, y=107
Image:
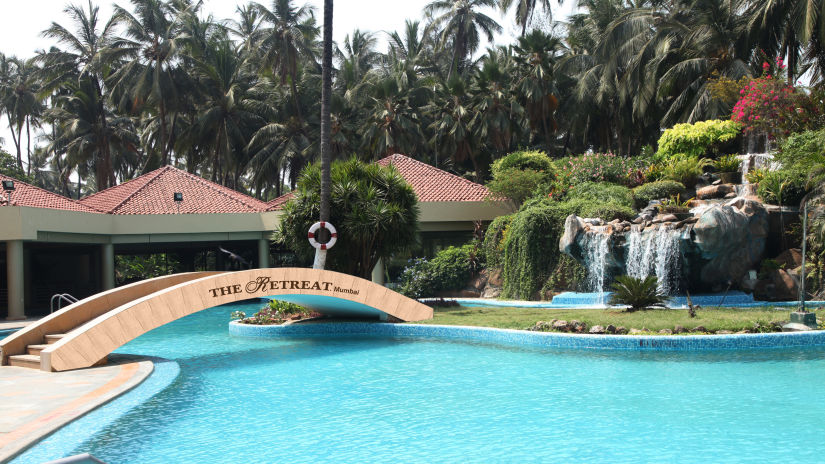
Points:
x=84, y=333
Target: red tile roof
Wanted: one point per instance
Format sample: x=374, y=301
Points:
x=153, y=193
x=276, y=204
x=433, y=184
x=28, y=195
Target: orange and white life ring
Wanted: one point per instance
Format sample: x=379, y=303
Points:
x=332, y=232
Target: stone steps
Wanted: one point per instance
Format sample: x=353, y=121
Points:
x=35, y=349
x=53, y=338
x=25, y=360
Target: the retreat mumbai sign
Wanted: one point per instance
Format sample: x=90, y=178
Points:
x=263, y=285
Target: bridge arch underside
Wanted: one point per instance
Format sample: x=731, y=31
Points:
x=326, y=292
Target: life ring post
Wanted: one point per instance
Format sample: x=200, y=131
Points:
x=313, y=239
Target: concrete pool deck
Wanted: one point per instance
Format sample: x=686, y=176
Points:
x=36, y=403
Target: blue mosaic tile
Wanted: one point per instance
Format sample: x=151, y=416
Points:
x=545, y=339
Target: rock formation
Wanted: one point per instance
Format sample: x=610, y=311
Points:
x=709, y=251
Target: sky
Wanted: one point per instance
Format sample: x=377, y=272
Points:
x=21, y=22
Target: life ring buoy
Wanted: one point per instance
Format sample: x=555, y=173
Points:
x=332, y=232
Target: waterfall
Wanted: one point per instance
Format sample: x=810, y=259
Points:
x=655, y=252
x=756, y=161
x=595, y=245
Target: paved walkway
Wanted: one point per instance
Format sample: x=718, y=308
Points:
x=16, y=324
x=35, y=403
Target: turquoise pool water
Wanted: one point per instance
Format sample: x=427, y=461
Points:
x=371, y=399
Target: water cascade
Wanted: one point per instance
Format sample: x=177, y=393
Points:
x=756, y=161
x=596, y=247
x=655, y=252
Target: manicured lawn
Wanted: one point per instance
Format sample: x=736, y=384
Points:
x=733, y=319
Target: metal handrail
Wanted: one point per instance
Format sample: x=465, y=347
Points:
x=61, y=297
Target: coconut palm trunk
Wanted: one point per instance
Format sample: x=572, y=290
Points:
x=326, y=90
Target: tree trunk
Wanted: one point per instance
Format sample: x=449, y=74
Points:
x=326, y=90
x=29, y=145
x=15, y=140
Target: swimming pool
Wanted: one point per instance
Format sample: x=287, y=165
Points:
x=383, y=399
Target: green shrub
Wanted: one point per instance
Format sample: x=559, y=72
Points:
x=607, y=211
x=658, y=190
x=567, y=276
x=533, y=160
x=602, y=192
x=703, y=138
x=516, y=184
x=531, y=246
x=521, y=175
x=637, y=293
x=494, y=241
x=598, y=167
x=450, y=269
x=686, y=170
x=783, y=187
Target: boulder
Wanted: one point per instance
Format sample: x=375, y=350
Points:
x=679, y=329
x=795, y=327
x=491, y=292
x=479, y=282
x=597, y=329
x=699, y=328
x=611, y=329
x=567, y=244
x=636, y=331
x=560, y=326
x=666, y=332
x=621, y=330
x=732, y=240
x=785, y=284
x=494, y=278
x=714, y=191
x=789, y=259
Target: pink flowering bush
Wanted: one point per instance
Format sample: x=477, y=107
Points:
x=769, y=105
x=597, y=167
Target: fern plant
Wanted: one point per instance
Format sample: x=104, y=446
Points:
x=637, y=293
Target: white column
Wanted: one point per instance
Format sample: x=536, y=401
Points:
x=263, y=253
x=107, y=266
x=378, y=272
x=15, y=280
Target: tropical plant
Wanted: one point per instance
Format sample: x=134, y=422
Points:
x=674, y=205
x=727, y=163
x=372, y=206
x=686, y=169
x=754, y=176
x=637, y=293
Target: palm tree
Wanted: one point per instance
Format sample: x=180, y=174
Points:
x=326, y=160
x=226, y=113
x=88, y=56
x=287, y=42
x=535, y=56
x=459, y=25
x=393, y=124
x=524, y=10
x=498, y=114
x=451, y=115
x=85, y=136
x=147, y=82
x=356, y=59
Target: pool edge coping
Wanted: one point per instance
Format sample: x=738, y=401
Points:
x=546, y=339
x=158, y=377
